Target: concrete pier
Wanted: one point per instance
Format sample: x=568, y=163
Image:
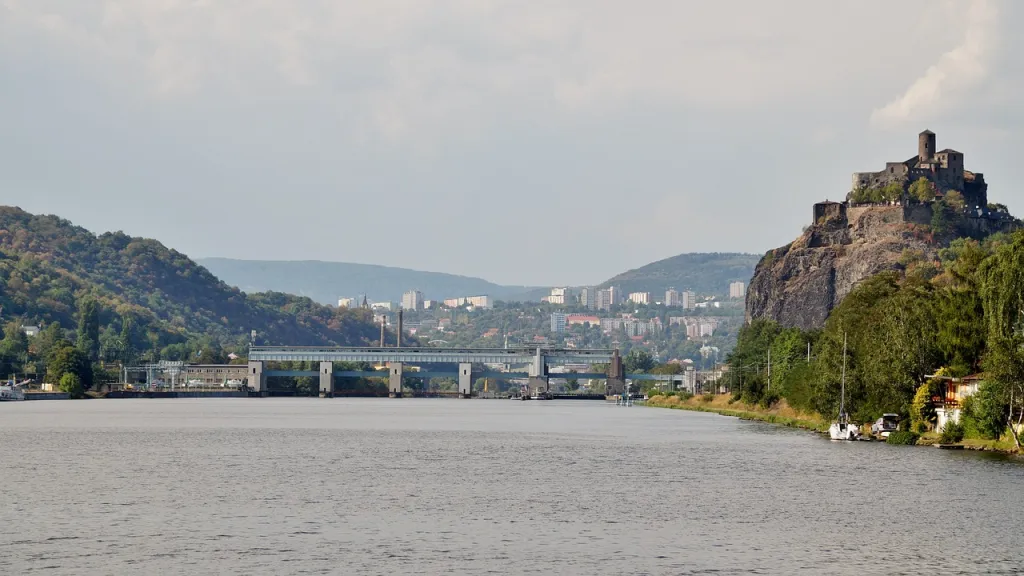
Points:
x=394, y=379
x=257, y=379
x=465, y=380
x=327, y=379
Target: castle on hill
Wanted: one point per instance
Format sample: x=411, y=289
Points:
x=944, y=169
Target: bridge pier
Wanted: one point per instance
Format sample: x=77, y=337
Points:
x=616, y=383
x=465, y=380
x=394, y=379
x=327, y=379
x=257, y=380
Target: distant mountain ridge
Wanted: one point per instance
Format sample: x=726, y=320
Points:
x=325, y=282
x=704, y=273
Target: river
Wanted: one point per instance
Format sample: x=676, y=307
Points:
x=418, y=486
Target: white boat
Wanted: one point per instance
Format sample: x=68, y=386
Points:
x=11, y=392
x=842, y=428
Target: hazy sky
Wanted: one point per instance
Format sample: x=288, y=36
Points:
x=524, y=142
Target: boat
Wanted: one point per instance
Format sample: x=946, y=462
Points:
x=886, y=425
x=11, y=392
x=842, y=428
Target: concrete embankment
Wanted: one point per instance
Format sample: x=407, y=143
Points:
x=46, y=395
x=176, y=394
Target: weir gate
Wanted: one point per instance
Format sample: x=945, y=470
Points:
x=536, y=362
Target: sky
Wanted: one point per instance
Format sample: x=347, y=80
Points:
x=536, y=143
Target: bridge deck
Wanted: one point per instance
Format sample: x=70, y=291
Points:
x=427, y=355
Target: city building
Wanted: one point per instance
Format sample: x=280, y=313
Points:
x=588, y=298
x=30, y=331
x=640, y=297
x=383, y=306
x=475, y=301
x=689, y=300
x=429, y=304
x=560, y=296
x=348, y=303
x=582, y=319
x=412, y=300
x=608, y=297
x=672, y=298
x=737, y=290
x=558, y=322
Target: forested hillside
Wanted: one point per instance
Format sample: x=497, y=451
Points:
x=705, y=274
x=158, y=299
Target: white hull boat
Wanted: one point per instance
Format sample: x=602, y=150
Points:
x=843, y=429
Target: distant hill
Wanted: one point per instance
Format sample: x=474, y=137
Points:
x=703, y=273
x=325, y=282
x=48, y=266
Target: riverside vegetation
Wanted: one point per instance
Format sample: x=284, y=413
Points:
x=962, y=314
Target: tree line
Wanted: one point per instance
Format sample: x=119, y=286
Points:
x=906, y=329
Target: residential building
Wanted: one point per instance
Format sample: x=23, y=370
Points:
x=581, y=319
x=429, y=304
x=30, y=331
x=560, y=296
x=609, y=325
x=383, y=306
x=348, y=303
x=689, y=300
x=588, y=298
x=558, y=322
x=412, y=300
x=608, y=297
x=479, y=301
x=672, y=298
x=737, y=290
x=640, y=297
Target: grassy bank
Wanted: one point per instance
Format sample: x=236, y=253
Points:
x=781, y=413
x=784, y=415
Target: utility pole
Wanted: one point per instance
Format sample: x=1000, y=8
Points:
x=808, y=351
x=769, y=387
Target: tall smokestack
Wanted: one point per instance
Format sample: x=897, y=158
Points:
x=382, y=319
x=399, y=335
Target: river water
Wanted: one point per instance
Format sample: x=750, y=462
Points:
x=368, y=486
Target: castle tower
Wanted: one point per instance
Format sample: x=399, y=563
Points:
x=925, y=145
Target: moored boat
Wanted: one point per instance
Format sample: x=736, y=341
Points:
x=842, y=428
x=11, y=392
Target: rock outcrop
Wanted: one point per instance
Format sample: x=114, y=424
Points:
x=799, y=284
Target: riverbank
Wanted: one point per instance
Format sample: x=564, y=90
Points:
x=781, y=413
x=784, y=415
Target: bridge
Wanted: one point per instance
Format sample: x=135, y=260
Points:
x=537, y=361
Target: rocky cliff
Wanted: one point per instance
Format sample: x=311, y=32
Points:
x=799, y=284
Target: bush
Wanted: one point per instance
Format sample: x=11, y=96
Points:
x=769, y=399
x=707, y=398
x=71, y=384
x=902, y=438
x=684, y=395
x=952, y=433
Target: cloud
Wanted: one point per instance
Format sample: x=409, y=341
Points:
x=400, y=69
x=956, y=72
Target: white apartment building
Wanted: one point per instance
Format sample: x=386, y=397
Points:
x=689, y=300
x=558, y=322
x=737, y=290
x=588, y=298
x=560, y=296
x=412, y=300
x=348, y=303
x=672, y=298
x=640, y=297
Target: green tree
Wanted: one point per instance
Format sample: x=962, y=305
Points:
x=955, y=200
x=1002, y=292
x=89, y=328
x=638, y=361
x=922, y=190
x=71, y=384
x=69, y=360
x=13, y=349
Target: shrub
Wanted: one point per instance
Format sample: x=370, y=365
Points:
x=707, y=398
x=902, y=438
x=769, y=399
x=684, y=395
x=71, y=384
x=922, y=410
x=952, y=432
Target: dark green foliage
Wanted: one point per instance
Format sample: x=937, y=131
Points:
x=903, y=438
x=132, y=298
x=952, y=432
x=637, y=361
x=70, y=360
x=889, y=193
